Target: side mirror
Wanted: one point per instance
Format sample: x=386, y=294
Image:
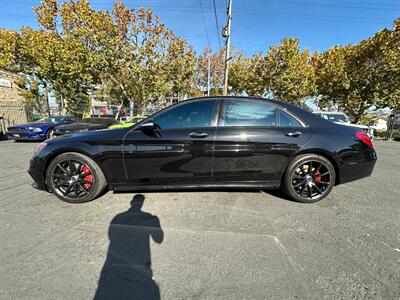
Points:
x=147, y=126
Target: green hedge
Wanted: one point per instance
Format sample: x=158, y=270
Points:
x=385, y=134
x=396, y=135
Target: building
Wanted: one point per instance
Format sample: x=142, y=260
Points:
x=12, y=108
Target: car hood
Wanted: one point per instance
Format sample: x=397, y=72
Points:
x=88, y=136
x=79, y=126
x=32, y=124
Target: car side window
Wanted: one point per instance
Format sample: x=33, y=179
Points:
x=286, y=120
x=68, y=120
x=248, y=113
x=190, y=115
x=255, y=113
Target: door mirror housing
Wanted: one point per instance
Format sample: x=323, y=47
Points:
x=147, y=126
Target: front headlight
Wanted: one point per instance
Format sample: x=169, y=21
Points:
x=35, y=129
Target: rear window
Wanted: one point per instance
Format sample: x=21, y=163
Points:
x=286, y=120
x=255, y=113
x=335, y=117
x=248, y=113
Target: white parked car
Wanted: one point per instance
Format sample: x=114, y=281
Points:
x=380, y=125
x=341, y=118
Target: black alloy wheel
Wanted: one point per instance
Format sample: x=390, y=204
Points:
x=50, y=134
x=309, y=178
x=75, y=178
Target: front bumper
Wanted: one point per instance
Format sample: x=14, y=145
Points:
x=36, y=171
x=25, y=135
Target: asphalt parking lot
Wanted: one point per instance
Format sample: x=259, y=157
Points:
x=200, y=245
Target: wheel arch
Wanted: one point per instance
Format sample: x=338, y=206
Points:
x=69, y=150
x=49, y=128
x=326, y=154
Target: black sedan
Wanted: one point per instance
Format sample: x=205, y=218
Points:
x=87, y=124
x=220, y=142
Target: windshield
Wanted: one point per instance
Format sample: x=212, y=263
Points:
x=50, y=120
x=340, y=118
x=136, y=119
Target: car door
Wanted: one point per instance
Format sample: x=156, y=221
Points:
x=254, y=141
x=178, y=151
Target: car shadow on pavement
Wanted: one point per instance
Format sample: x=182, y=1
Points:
x=127, y=271
x=278, y=193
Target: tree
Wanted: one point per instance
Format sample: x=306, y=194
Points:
x=52, y=58
x=359, y=77
x=331, y=76
x=142, y=59
x=127, y=52
x=8, y=49
x=216, y=71
x=34, y=93
x=248, y=75
x=346, y=79
x=290, y=74
x=181, y=64
x=386, y=43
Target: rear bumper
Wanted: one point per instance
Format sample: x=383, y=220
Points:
x=25, y=136
x=36, y=171
x=360, y=168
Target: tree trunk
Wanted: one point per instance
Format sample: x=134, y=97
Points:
x=360, y=112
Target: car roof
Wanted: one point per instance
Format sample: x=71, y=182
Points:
x=306, y=117
x=329, y=112
x=100, y=118
x=274, y=101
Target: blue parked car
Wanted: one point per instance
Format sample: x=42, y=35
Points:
x=39, y=130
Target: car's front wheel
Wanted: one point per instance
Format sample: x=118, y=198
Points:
x=309, y=178
x=50, y=134
x=75, y=178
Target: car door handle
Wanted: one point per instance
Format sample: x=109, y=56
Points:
x=198, y=135
x=294, y=134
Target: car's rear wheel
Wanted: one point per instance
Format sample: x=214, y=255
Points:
x=75, y=178
x=309, y=178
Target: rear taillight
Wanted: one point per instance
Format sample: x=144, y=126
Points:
x=364, y=138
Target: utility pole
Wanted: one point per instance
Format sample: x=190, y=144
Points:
x=227, y=35
x=209, y=75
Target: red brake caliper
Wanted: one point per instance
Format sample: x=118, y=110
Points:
x=88, y=177
x=318, y=178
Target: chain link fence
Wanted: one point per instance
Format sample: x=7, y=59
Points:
x=12, y=113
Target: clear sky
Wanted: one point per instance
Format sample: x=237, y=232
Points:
x=256, y=24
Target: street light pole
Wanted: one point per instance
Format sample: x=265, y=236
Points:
x=227, y=35
x=209, y=75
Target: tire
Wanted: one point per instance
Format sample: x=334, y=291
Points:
x=75, y=178
x=309, y=178
x=49, y=134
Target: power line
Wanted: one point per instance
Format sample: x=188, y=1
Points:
x=216, y=24
x=205, y=25
x=209, y=52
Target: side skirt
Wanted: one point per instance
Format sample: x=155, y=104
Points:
x=205, y=186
